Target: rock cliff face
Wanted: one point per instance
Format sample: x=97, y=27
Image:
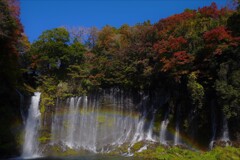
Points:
x=112, y=119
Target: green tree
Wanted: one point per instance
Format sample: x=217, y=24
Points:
x=10, y=35
x=196, y=90
x=10, y=75
x=50, y=52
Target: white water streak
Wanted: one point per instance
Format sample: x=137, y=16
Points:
x=30, y=146
x=163, y=131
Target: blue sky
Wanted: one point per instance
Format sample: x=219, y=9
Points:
x=40, y=15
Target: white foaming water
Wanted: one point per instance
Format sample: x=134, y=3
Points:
x=213, y=118
x=225, y=134
x=163, y=131
x=139, y=134
x=150, y=130
x=142, y=149
x=93, y=124
x=72, y=121
x=98, y=123
x=30, y=146
x=211, y=144
x=176, y=136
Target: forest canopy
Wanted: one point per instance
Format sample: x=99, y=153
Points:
x=196, y=51
x=193, y=56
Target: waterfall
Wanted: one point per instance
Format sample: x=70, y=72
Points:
x=142, y=148
x=150, y=130
x=139, y=133
x=72, y=121
x=95, y=123
x=100, y=123
x=213, y=120
x=163, y=130
x=225, y=134
x=87, y=131
x=176, y=136
x=30, y=146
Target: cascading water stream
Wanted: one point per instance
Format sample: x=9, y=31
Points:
x=150, y=130
x=225, y=135
x=176, y=136
x=72, y=121
x=94, y=124
x=213, y=118
x=139, y=133
x=100, y=123
x=30, y=145
x=163, y=130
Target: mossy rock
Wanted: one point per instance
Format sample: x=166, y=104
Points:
x=121, y=149
x=137, y=146
x=70, y=151
x=101, y=119
x=176, y=153
x=44, y=139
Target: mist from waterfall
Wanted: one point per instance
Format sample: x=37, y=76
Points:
x=213, y=120
x=150, y=130
x=163, y=130
x=94, y=124
x=177, y=136
x=102, y=122
x=31, y=144
x=139, y=135
x=225, y=131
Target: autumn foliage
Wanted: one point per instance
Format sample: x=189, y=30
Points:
x=192, y=58
x=10, y=36
x=220, y=39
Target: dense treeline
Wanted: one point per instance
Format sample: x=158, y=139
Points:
x=192, y=56
x=195, y=53
x=12, y=45
x=10, y=32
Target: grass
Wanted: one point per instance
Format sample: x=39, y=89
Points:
x=175, y=153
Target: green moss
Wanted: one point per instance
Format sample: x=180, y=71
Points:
x=56, y=150
x=46, y=101
x=43, y=139
x=137, y=146
x=110, y=123
x=42, y=109
x=28, y=88
x=147, y=154
x=70, y=152
x=123, y=148
x=20, y=138
x=65, y=124
x=160, y=153
x=223, y=153
x=101, y=119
